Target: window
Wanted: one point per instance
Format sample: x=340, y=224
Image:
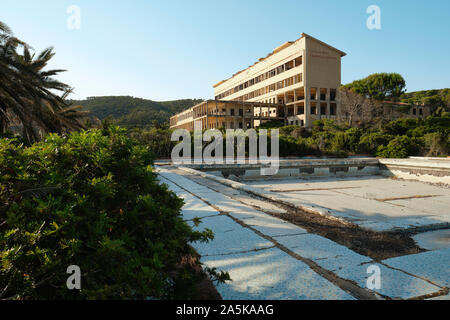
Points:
x=333, y=94
x=290, y=111
x=289, y=65
x=323, y=94
x=279, y=85
x=241, y=113
x=298, y=61
x=333, y=108
x=280, y=69
x=414, y=111
x=313, y=92
x=323, y=108
x=421, y=111
x=313, y=109
x=272, y=87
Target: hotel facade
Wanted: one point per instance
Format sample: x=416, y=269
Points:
x=296, y=83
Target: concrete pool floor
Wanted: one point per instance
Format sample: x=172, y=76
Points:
x=374, y=202
x=269, y=258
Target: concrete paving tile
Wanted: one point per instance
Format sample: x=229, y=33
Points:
x=431, y=265
x=197, y=208
x=273, y=227
x=433, y=240
x=324, y=252
x=394, y=283
x=353, y=199
x=272, y=274
x=229, y=237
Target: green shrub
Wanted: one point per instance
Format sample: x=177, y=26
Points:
x=346, y=141
x=89, y=199
x=399, y=147
x=401, y=126
x=369, y=142
x=157, y=139
x=437, y=144
x=289, y=146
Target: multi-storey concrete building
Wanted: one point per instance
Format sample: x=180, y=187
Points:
x=296, y=83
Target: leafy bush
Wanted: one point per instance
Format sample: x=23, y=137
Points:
x=157, y=139
x=437, y=144
x=289, y=146
x=401, y=126
x=90, y=199
x=369, y=142
x=399, y=147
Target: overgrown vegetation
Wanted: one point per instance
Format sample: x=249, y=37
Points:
x=395, y=139
x=91, y=199
x=437, y=100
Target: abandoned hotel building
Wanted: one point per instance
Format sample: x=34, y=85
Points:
x=296, y=83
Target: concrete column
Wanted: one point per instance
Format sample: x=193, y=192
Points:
x=307, y=107
x=295, y=100
x=217, y=115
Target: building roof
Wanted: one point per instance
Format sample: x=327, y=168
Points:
x=278, y=49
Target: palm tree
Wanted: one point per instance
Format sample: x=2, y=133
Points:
x=28, y=98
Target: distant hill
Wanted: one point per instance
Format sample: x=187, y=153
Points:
x=129, y=111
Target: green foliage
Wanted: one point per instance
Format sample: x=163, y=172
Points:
x=271, y=124
x=401, y=126
x=156, y=139
x=379, y=86
x=90, y=199
x=399, y=147
x=327, y=138
x=437, y=144
x=370, y=141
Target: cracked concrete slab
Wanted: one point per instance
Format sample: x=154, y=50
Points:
x=272, y=274
x=433, y=240
x=326, y=253
x=229, y=237
x=262, y=271
x=395, y=284
x=274, y=227
x=431, y=265
x=356, y=201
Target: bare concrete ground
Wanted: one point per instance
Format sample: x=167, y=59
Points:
x=291, y=258
x=375, y=203
x=374, y=244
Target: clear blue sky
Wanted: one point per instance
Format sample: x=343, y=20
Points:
x=165, y=50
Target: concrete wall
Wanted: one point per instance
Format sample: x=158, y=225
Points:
x=431, y=170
